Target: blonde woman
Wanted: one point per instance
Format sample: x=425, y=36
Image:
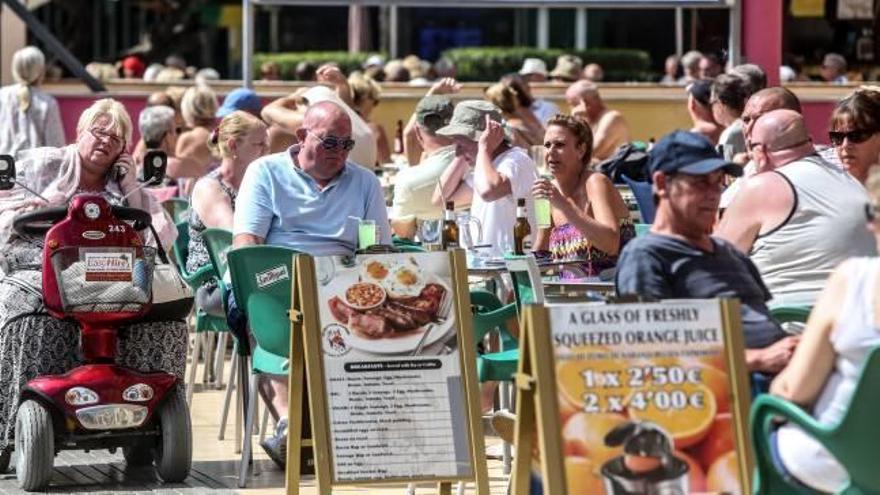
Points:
x=527, y=130
x=32, y=342
x=198, y=106
x=825, y=368
x=30, y=117
x=240, y=139
x=365, y=93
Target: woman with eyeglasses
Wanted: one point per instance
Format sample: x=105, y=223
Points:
x=821, y=377
x=238, y=140
x=32, y=342
x=855, y=131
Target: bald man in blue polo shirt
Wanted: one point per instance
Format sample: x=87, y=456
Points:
x=309, y=198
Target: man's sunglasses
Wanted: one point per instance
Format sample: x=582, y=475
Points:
x=870, y=212
x=331, y=143
x=856, y=136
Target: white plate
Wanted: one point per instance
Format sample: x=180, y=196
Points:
x=401, y=343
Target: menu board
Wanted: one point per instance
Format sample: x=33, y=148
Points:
x=396, y=399
x=645, y=398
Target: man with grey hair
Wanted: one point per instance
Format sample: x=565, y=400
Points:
x=834, y=69
x=610, y=129
x=753, y=75
x=159, y=132
x=501, y=173
x=690, y=63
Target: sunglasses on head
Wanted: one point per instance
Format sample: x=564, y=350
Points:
x=331, y=143
x=855, y=136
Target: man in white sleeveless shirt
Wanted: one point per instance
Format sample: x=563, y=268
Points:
x=799, y=221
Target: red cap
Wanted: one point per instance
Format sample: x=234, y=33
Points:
x=133, y=64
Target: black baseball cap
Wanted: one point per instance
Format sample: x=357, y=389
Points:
x=688, y=153
x=701, y=90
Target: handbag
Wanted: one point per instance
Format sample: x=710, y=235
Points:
x=173, y=299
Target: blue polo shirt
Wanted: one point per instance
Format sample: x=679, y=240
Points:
x=282, y=204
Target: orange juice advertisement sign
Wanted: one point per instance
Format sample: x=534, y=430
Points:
x=645, y=398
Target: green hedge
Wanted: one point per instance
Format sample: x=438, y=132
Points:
x=288, y=61
x=483, y=63
x=490, y=63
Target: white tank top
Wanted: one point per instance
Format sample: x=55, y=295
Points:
x=826, y=226
x=854, y=335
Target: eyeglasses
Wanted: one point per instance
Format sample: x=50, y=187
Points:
x=870, y=212
x=102, y=135
x=856, y=136
x=331, y=143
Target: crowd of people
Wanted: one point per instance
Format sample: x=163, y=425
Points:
x=298, y=172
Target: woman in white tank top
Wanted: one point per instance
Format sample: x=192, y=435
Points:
x=843, y=328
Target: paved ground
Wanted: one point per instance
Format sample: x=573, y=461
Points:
x=215, y=467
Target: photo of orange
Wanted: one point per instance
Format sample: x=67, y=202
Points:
x=718, y=441
x=581, y=478
x=584, y=435
x=723, y=476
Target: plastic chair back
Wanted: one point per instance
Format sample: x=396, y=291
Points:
x=644, y=194
x=784, y=313
x=181, y=252
x=218, y=243
x=527, y=285
x=261, y=278
x=176, y=208
x=853, y=441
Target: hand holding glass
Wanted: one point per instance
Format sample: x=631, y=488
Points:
x=543, y=212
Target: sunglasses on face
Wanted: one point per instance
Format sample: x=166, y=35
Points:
x=870, y=212
x=856, y=136
x=331, y=143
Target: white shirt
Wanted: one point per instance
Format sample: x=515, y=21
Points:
x=498, y=217
x=39, y=126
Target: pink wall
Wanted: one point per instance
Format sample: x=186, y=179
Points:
x=762, y=36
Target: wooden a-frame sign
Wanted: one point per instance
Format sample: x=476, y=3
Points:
x=307, y=367
x=538, y=423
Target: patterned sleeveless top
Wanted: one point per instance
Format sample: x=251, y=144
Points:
x=198, y=252
x=567, y=243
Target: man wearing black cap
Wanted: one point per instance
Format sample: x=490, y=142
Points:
x=678, y=259
x=700, y=109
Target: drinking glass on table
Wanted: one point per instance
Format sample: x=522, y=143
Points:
x=429, y=230
x=366, y=233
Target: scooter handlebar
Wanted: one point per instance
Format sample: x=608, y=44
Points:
x=37, y=223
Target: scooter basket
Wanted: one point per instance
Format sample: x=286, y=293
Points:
x=104, y=280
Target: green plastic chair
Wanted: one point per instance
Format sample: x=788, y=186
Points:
x=853, y=441
x=218, y=243
x=489, y=315
x=266, y=308
x=181, y=252
x=176, y=207
x=784, y=313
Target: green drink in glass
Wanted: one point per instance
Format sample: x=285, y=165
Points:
x=543, y=213
x=366, y=233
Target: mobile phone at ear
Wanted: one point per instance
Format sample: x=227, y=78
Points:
x=118, y=173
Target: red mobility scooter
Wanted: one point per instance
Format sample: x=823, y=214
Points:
x=97, y=272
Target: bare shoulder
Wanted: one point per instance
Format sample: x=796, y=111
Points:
x=206, y=190
x=597, y=182
x=768, y=187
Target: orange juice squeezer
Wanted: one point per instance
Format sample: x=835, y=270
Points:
x=647, y=466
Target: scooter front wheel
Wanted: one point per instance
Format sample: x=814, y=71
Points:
x=173, y=455
x=34, y=446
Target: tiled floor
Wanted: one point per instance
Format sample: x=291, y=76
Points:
x=215, y=466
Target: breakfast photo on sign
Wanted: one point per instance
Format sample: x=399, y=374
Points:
x=390, y=304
